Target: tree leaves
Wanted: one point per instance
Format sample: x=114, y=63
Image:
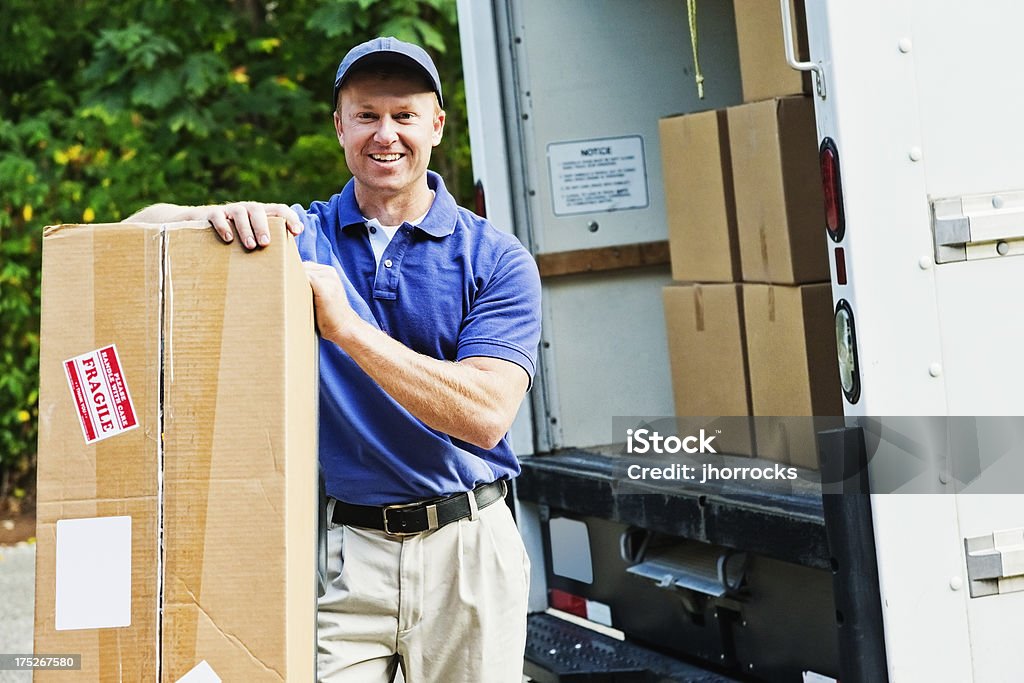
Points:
x=157, y=90
x=202, y=72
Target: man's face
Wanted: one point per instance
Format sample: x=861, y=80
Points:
x=387, y=127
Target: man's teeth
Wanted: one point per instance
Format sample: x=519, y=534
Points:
x=385, y=157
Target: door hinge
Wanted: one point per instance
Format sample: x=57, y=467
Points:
x=995, y=562
x=978, y=226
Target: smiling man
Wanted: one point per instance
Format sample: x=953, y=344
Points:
x=429, y=319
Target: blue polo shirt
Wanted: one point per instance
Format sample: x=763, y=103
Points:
x=451, y=287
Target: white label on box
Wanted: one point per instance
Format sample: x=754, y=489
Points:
x=200, y=673
x=606, y=174
x=100, y=393
x=811, y=677
x=94, y=573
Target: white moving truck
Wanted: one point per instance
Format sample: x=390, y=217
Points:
x=911, y=566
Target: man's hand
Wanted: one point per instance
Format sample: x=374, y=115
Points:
x=247, y=220
x=334, y=314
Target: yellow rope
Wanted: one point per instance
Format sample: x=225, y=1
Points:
x=691, y=11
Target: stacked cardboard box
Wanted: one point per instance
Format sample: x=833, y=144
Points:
x=709, y=361
x=751, y=305
x=779, y=203
x=764, y=72
x=177, y=456
x=700, y=198
x=793, y=368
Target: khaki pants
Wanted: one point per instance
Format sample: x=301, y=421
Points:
x=448, y=606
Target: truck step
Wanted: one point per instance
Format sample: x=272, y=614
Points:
x=558, y=651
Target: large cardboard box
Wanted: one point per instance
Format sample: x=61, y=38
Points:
x=763, y=69
x=699, y=202
x=177, y=456
x=779, y=201
x=708, y=358
x=791, y=347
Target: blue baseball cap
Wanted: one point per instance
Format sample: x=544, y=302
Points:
x=391, y=51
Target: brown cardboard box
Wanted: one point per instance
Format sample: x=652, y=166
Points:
x=100, y=286
x=763, y=68
x=214, y=525
x=708, y=357
x=791, y=348
x=779, y=202
x=699, y=201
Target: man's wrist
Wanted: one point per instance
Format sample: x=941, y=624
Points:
x=349, y=334
x=194, y=213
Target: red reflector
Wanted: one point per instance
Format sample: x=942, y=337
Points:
x=828, y=179
x=832, y=189
x=567, y=602
x=840, y=266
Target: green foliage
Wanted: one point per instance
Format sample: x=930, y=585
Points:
x=108, y=107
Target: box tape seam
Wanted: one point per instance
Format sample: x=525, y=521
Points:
x=164, y=294
x=698, y=307
x=729, y=193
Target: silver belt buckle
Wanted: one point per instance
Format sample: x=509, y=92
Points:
x=399, y=506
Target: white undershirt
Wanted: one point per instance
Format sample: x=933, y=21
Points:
x=380, y=235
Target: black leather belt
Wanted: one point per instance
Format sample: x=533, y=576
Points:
x=413, y=518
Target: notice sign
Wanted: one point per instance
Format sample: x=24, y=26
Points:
x=607, y=174
x=100, y=394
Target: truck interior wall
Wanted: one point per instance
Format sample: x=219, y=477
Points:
x=597, y=70
x=605, y=370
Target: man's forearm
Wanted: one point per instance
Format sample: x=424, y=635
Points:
x=246, y=219
x=160, y=213
x=474, y=400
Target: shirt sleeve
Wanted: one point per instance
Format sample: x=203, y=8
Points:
x=313, y=245
x=504, y=320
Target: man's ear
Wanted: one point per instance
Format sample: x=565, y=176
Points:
x=339, y=128
x=438, y=127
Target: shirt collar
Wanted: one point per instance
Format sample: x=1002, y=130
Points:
x=439, y=222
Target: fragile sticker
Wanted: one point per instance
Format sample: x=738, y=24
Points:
x=100, y=393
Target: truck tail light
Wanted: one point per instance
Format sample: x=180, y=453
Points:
x=846, y=346
x=567, y=602
x=578, y=606
x=835, y=220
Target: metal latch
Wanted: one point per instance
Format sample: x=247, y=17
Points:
x=978, y=226
x=791, y=56
x=995, y=562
